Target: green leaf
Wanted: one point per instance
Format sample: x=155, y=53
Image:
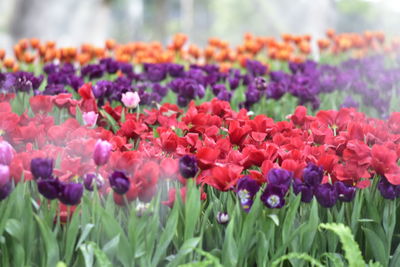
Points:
x=167, y=235
x=186, y=248
x=287, y=227
x=274, y=218
x=302, y=256
x=50, y=243
x=192, y=209
x=79, y=116
x=378, y=246
x=350, y=247
x=110, y=119
x=15, y=229
x=72, y=234
x=230, y=250
x=86, y=230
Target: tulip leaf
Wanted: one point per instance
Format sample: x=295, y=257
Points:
x=50, y=243
x=187, y=247
x=302, y=256
x=349, y=245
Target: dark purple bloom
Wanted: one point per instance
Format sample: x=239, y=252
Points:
x=90, y=179
x=313, y=174
x=252, y=95
x=160, y=89
x=119, y=182
x=280, y=177
x=175, y=70
x=71, y=193
x=42, y=168
x=305, y=190
x=49, y=188
x=326, y=195
x=274, y=196
x=93, y=71
x=260, y=83
x=224, y=95
x=388, y=190
x=255, y=68
x=233, y=83
x=246, y=189
x=345, y=193
x=188, y=166
x=155, y=72
x=349, y=102
x=110, y=65
x=217, y=88
x=275, y=90
x=5, y=190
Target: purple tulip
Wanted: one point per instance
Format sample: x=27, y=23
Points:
x=345, y=193
x=326, y=195
x=388, y=190
x=119, y=182
x=102, y=152
x=5, y=190
x=4, y=175
x=246, y=189
x=222, y=217
x=49, y=188
x=280, y=177
x=71, y=193
x=42, y=168
x=304, y=189
x=6, y=153
x=274, y=196
x=91, y=178
x=312, y=174
x=188, y=166
x=260, y=83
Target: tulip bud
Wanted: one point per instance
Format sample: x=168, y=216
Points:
x=326, y=195
x=119, y=182
x=188, y=166
x=5, y=190
x=4, y=175
x=222, y=217
x=42, y=168
x=90, y=118
x=6, y=153
x=130, y=99
x=102, y=152
x=91, y=178
x=71, y=194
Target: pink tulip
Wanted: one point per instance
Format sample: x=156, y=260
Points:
x=130, y=99
x=4, y=175
x=90, y=118
x=6, y=153
x=102, y=152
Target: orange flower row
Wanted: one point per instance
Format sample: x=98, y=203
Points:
x=290, y=48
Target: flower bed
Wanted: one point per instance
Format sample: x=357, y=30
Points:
x=165, y=164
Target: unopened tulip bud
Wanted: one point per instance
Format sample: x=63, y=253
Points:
x=130, y=99
x=222, y=217
x=102, y=152
x=4, y=175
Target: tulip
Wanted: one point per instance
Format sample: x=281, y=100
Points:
x=388, y=190
x=71, y=194
x=246, y=189
x=4, y=175
x=326, y=195
x=102, y=152
x=42, y=168
x=188, y=166
x=280, y=177
x=6, y=153
x=305, y=189
x=88, y=180
x=312, y=174
x=49, y=188
x=5, y=190
x=119, y=182
x=130, y=99
x=90, y=118
x=222, y=217
x=345, y=193
x=274, y=196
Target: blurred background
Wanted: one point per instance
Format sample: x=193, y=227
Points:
x=72, y=22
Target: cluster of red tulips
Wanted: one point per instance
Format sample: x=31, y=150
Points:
x=226, y=145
